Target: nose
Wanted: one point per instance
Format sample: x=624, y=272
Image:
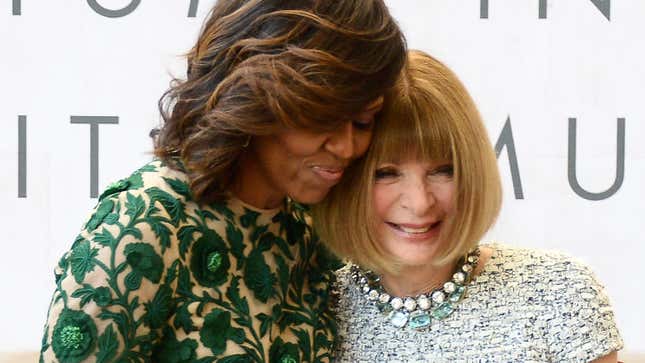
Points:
x=341, y=141
x=417, y=197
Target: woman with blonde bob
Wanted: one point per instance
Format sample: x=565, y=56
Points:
x=409, y=217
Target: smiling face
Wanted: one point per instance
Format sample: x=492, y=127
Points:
x=302, y=164
x=412, y=201
x=401, y=204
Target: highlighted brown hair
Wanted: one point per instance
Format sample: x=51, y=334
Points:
x=260, y=66
x=428, y=115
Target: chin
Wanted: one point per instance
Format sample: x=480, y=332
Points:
x=415, y=261
x=309, y=198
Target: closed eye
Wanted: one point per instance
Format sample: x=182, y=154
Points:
x=385, y=173
x=443, y=170
x=363, y=125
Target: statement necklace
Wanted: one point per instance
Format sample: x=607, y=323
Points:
x=418, y=312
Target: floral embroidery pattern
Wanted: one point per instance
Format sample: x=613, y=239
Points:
x=74, y=336
x=210, y=262
x=156, y=277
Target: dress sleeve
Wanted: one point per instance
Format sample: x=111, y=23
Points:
x=113, y=289
x=582, y=328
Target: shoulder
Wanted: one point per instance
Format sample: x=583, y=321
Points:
x=155, y=175
x=547, y=265
x=139, y=213
x=575, y=306
x=343, y=277
x=154, y=193
x=345, y=291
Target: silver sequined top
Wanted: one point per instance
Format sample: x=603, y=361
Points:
x=525, y=306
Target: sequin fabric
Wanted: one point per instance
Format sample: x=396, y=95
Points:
x=525, y=306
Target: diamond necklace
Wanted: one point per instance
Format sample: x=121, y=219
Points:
x=418, y=312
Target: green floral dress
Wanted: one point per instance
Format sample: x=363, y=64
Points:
x=156, y=277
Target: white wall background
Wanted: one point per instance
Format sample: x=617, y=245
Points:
x=58, y=61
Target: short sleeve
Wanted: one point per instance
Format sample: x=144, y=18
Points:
x=113, y=291
x=582, y=327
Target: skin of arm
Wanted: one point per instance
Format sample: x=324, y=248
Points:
x=609, y=358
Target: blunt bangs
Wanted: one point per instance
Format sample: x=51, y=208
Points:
x=412, y=127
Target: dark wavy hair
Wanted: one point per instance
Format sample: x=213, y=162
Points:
x=260, y=66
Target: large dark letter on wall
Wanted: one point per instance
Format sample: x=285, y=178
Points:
x=506, y=139
x=94, y=122
x=542, y=9
x=603, y=5
x=620, y=163
x=192, y=9
x=483, y=9
x=16, y=7
x=113, y=13
x=22, y=156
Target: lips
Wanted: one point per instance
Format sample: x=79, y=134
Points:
x=330, y=174
x=416, y=231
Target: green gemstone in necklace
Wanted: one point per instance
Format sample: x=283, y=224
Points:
x=419, y=320
x=442, y=311
x=458, y=294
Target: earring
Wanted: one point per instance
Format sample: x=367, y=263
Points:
x=248, y=140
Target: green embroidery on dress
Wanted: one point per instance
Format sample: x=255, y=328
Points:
x=108, y=346
x=104, y=208
x=180, y=188
x=82, y=260
x=201, y=264
x=173, y=206
x=135, y=181
x=71, y=337
x=114, y=188
x=237, y=358
x=170, y=350
x=258, y=276
x=144, y=261
x=249, y=218
x=74, y=336
x=44, y=345
x=282, y=352
x=236, y=241
x=188, y=254
x=102, y=296
x=288, y=359
x=217, y=330
x=159, y=308
x=214, y=261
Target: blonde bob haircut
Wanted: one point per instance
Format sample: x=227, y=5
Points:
x=428, y=115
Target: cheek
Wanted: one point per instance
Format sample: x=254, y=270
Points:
x=383, y=197
x=300, y=144
x=362, y=142
x=446, y=197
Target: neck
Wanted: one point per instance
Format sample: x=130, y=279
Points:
x=251, y=186
x=415, y=280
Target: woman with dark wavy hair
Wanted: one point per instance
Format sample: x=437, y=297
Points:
x=207, y=253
